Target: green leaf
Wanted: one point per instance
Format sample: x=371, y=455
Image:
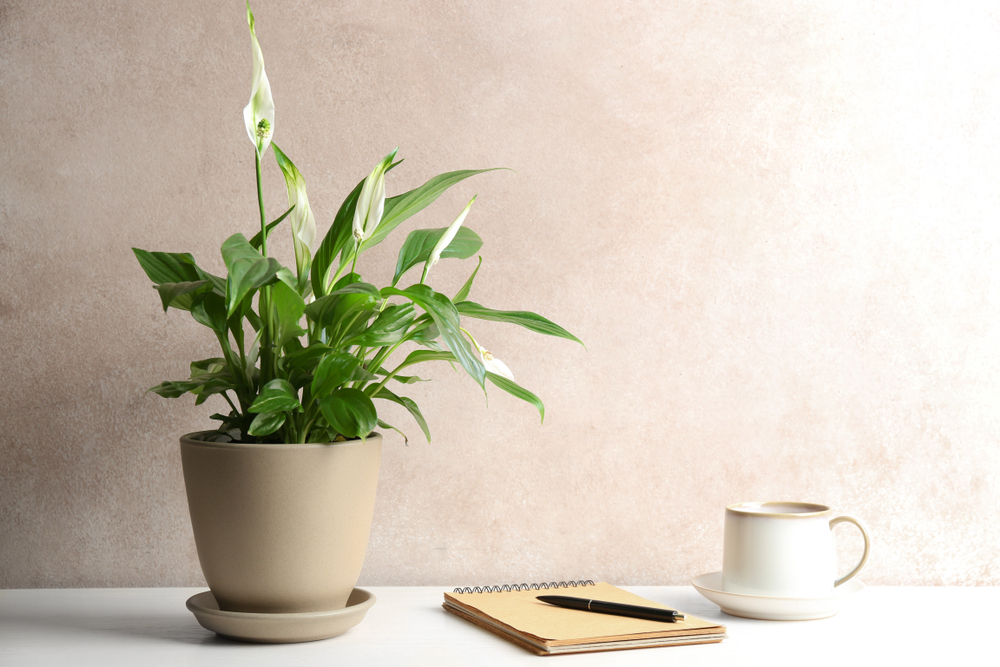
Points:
x=321, y=434
x=305, y=359
x=235, y=321
x=529, y=321
x=410, y=406
x=421, y=242
x=208, y=368
x=362, y=375
x=214, y=376
x=180, y=295
x=331, y=309
x=252, y=354
x=174, y=389
x=404, y=379
x=266, y=423
x=286, y=276
x=349, y=411
x=256, y=240
x=231, y=418
x=390, y=327
x=167, y=267
x=399, y=208
x=424, y=332
x=210, y=310
x=517, y=390
x=344, y=281
x=463, y=293
x=445, y=316
x=218, y=284
x=416, y=357
x=333, y=370
x=287, y=307
x=252, y=318
x=336, y=238
x=383, y=424
x=277, y=396
x=172, y=267
x=213, y=386
x=248, y=270
x=420, y=356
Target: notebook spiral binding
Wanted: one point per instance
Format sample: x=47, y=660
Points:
x=524, y=587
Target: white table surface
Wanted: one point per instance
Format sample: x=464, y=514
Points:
x=407, y=626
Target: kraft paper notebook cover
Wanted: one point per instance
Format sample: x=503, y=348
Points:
x=514, y=613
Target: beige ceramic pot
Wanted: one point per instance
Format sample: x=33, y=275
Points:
x=281, y=528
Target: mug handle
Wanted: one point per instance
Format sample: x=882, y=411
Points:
x=864, y=557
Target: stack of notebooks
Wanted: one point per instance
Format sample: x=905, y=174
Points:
x=515, y=613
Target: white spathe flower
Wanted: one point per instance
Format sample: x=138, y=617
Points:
x=494, y=365
x=449, y=235
x=259, y=113
x=491, y=363
x=301, y=218
x=371, y=201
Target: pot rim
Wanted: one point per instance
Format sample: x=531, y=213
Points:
x=793, y=509
x=192, y=439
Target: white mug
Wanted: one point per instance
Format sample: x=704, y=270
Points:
x=783, y=550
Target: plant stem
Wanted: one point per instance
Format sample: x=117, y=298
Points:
x=234, y=368
x=336, y=276
x=382, y=384
x=263, y=303
x=291, y=429
x=310, y=418
x=301, y=418
x=225, y=395
x=345, y=329
x=260, y=205
x=382, y=355
x=240, y=345
x=354, y=262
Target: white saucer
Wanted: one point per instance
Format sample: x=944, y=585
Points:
x=280, y=628
x=774, y=608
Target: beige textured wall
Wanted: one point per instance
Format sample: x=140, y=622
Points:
x=774, y=225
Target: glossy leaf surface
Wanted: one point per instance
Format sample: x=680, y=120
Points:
x=463, y=293
x=266, y=423
x=410, y=406
x=278, y=395
x=248, y=270
x=420, y=242
x=389, y=327
x=517, y=390
x=350, y=412
x=401, y=207
x=334, y=370
x=445, y=316
x=530, y=321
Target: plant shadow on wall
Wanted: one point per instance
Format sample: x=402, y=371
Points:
x=306, y=363
x=282, y=493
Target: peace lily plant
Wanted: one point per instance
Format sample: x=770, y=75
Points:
x=306, y=353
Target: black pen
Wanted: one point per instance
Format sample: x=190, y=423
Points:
x=615, y=608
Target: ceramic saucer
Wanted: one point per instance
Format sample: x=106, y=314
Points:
x=774, y=608
x=280, y=628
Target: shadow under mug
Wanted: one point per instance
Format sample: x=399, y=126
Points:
x=783, y=549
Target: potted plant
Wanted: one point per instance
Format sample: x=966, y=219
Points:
x=281, y=494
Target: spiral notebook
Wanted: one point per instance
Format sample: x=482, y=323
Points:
x=513, y=612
